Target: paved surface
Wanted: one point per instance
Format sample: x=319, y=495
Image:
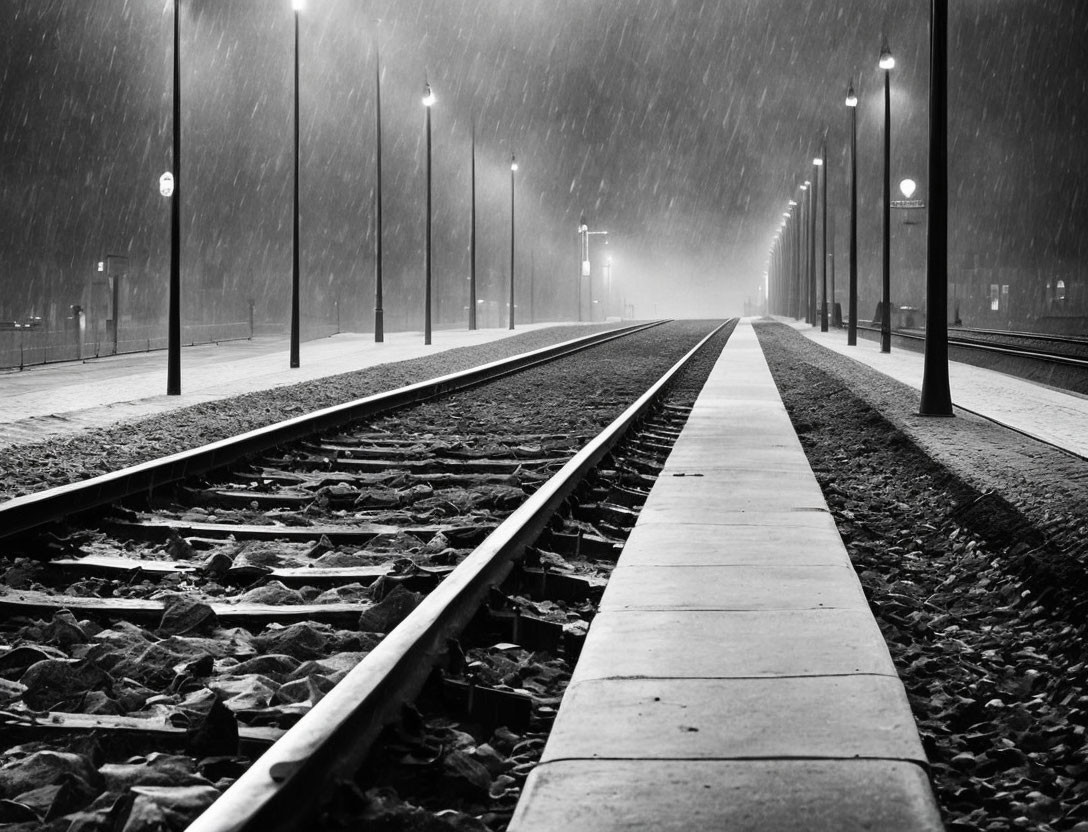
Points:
x=734, y=677
x=1046, y=413
x=52, y=399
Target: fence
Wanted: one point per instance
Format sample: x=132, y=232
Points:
x=26, y=344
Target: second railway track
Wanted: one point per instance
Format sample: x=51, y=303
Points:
x=298, y=560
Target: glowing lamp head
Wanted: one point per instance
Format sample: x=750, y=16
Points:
x=428, y=96
x=886, y=59
x=851, y=97
x=817, y=161
x=166, y=184
x=793, y=203
x=908, y=187
x=298, y=5
x=513, y=163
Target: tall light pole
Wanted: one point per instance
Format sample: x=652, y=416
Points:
x=297, y=5
x=585, y=234
x=813, y=203
x=936, y=396
x=513, y=173
x=852, y=300
x=821, y=162
x=472, y=242
x=583, y=259
x=169, y=186
x=379, y=312
x=428, y=102
x=608, y=285
x=886, y=63
x=804, y=275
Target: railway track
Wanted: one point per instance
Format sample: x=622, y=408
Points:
x=333, y=572
x=1053, y=350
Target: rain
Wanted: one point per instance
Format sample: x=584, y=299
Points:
x=682, y=128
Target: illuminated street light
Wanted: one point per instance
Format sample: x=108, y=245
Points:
x=428, y=102
x=584, y=234
x=907, y=187
x=379, y=311
x=294, y=360
x=852, y=300
x=513, y=172
x=472, y=302
x=886, y=63
x=169, y=187
x=819, y=163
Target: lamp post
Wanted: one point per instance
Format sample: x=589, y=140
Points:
x=379, y=312
x=852, y=300
x=804, y=276
x=584, y=234
x=608, y=285
x=936, y=396
x=428, y=102
x=297, y=6
x=513, y=173
x=820, y=162
x=886, y=63
x=168, y=187
x=472, y=242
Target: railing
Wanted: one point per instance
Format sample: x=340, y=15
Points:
x=23, y=345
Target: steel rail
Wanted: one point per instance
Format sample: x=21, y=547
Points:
x=282, y=787
x=25, y=513
x=1065, y=360
x=1019, y=333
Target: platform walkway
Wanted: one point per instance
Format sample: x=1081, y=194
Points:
x=1059, y=417
x=54, y=399
x=734, y=677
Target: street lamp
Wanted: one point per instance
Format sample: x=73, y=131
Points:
x=819, y=163
x=936, y=396
x=608, y=284
x=886, y=63
x=585, y=234
x=472, y=242
x=379, y=312
x=297, y=6
x=168, y=187
x=428, y=102
x=513, y=172
x=852, y=300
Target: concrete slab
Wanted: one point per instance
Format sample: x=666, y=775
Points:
x=733, y=645
x=708, y=492
x=733, y=588
x=690, y=454
x=767, y=539
x=837, y=717
x=755, y=796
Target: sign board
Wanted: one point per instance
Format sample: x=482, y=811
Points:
x=908, y=203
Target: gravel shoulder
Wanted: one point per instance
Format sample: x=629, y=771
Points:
x=35, y=466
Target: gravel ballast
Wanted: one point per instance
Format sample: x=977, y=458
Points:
x=26, y=468
x=970, y=541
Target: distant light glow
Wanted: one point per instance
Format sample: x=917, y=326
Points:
x=908, y=186
x=817, y=161
x=298, y=5
x=851, y=97
x=793, y=202
x=166, y=184
x=513, y=163
x=428, y=96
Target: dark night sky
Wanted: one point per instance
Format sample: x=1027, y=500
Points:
x=681, y=127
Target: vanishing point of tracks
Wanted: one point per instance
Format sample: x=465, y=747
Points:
x=302, y=583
